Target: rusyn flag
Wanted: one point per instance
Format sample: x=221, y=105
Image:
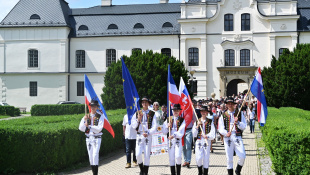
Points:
x=257, y=90
x=90, y=94
x=130, y=93
x=172, y=92
x=186, y=103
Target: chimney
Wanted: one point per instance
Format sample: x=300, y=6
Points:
x=106, y=2
x=163, y=1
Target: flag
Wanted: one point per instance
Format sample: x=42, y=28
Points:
x=90, y=94
x=130, y=93
x=186, y=103
x=172, y=92
x=257, y=90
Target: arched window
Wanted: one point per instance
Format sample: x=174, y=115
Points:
x=193, y=56
x=112, y=26
x=80, y=59
x=33, y=58
x=35, y=16
x=245, y=57
x=83, y=27
x=229, y=57
x=138, y=26
x=111, y=57
x=245, y=22
x=166, y=51
x=167, y=24
x=228, y=22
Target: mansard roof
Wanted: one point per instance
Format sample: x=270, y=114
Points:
x=38, y=13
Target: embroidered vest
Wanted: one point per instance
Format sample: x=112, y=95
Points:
x=178, y=122
x=149, y=116
x=96, y=121
x=226, y=118
x=207, y=128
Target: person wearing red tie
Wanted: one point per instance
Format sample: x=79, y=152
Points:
x=231, y=127
x=207, y=134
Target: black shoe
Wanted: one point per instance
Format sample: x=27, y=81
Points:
x=199, y=170
x=141, y=168
x=230, y=171
x=146, y=169
x=178, y=169
x=238, y=169
x=205, y=171
x=172, y=170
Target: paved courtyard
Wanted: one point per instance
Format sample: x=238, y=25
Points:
x=115, y=164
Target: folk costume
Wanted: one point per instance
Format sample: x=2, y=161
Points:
x=234, y=142
x=148, y=126
x=93, y=136
x=202, y=150
x=177, y=131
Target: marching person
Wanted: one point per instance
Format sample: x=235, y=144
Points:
x=177, y=129
x=130, y=142
x=92, y=125
x=232, y=138
x=206, y=134
x=144, y=121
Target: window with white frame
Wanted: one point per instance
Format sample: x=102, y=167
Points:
x=111, y=56
x=80, y=59
x=245, y=57
x=229, y=57
x=33, y=58
x=245, y=22
x=193, y=56
x=166, y=51
x=33, y=88
x=229, y=22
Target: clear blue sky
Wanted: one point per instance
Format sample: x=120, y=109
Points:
x=7, y=5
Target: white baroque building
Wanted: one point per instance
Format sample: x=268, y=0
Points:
x=46, y=47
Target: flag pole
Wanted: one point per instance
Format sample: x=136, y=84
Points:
x=241, y=107
x=169, y=126
x=199, y=125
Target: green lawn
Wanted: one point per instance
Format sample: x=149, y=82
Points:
x=4, y=116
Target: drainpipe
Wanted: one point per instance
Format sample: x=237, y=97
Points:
x=179, y=46
x=69, y=54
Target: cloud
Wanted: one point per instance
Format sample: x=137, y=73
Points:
x=5, y=7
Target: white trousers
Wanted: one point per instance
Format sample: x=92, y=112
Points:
x=234, y=143
x=93, y=147
x=175, y=152
x=143, y=144
x=202, y=152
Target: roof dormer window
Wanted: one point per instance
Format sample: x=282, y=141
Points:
x=35, y=16
x=138, y=26
x=83, y=27
x=113, y=26
x=167, y=24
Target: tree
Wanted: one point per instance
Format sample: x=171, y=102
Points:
x=149, y=72
x=287, y=81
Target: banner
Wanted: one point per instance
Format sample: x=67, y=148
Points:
x=159, y=143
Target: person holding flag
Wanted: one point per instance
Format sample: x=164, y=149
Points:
x=93, y=123
x=144, y=121
x=202, y=150
x=177, y=129
x=231, y=124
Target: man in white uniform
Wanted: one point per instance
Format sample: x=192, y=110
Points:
x=232, y=138
x=130, y=141
x=92, y=125
x=144, y=121
x=177, y=126
x=206, y=134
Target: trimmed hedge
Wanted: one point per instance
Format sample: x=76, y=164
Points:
x=63, y=109
x=51, y=143
x=287, y=137
x=9, y=110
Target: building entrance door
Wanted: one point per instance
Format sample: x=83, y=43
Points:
x=232, y=87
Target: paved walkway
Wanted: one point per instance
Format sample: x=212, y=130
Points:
x=115, y=164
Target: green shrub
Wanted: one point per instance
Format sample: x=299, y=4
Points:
x=16, y=112
x=9, y=110
x=2, y=110
x=51, y=143
x=64, y=109
x=287, y=137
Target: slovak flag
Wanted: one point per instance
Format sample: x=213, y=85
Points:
x=90, y=94
x=186, y=103
x=257, y=90
x=172, y=92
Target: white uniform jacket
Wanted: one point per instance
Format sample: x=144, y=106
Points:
x=211, y=134
x=240, y=124
x=94, y=130
x=143, y=127
x=174, y=132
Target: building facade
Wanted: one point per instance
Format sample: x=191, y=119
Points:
x=46, y=47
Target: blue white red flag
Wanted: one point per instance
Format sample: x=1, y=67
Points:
x=257, y=90
x=130, y=93
x=90, y=94
x=172, y=92
x=186, y=103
